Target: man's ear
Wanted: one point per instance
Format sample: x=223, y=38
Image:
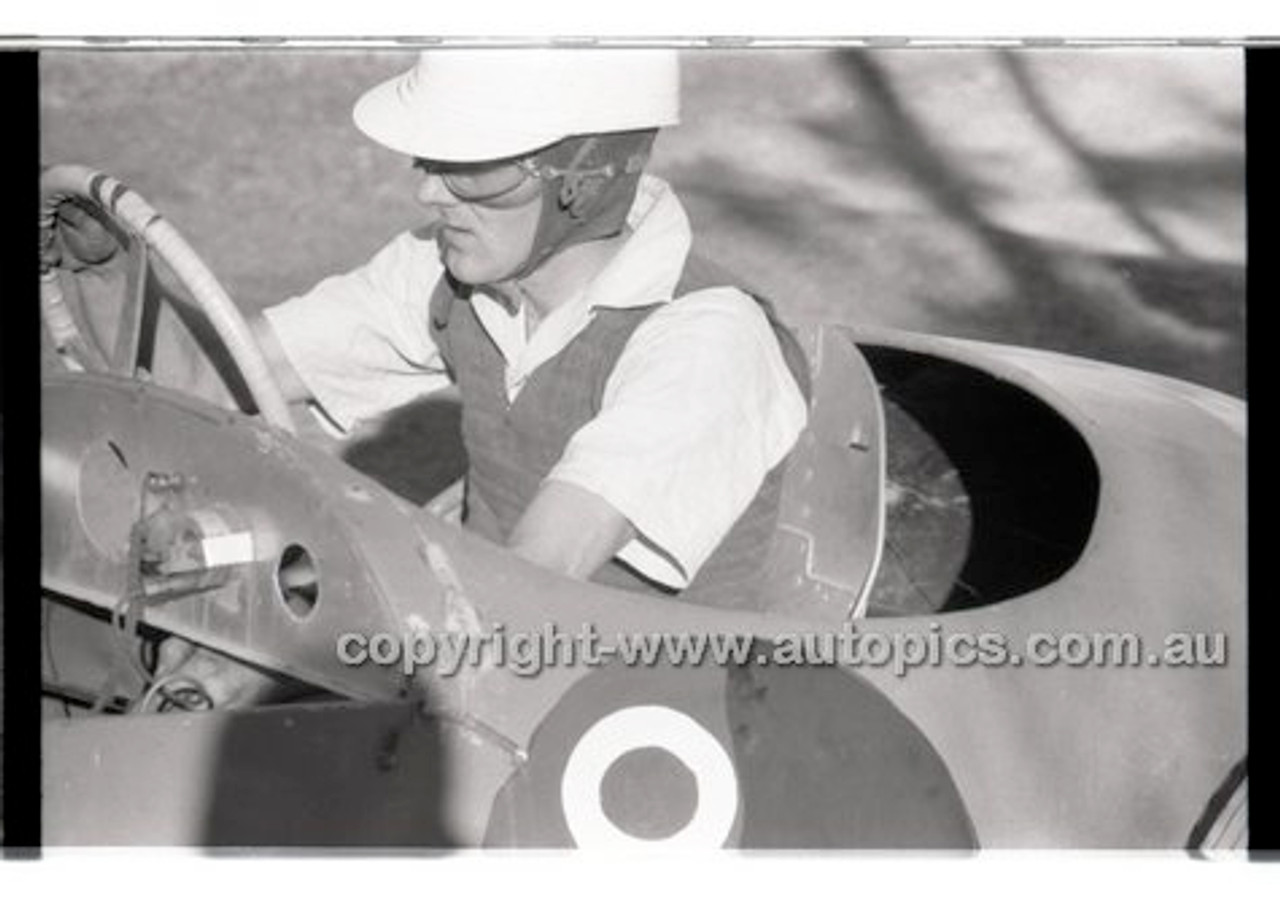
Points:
x=578, y=193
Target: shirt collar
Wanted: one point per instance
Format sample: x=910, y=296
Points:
x=643, y=272
x=647, y=268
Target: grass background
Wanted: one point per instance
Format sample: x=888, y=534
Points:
x=1090, y=201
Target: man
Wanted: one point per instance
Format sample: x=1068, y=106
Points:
x=626, y=411
x=626, y=414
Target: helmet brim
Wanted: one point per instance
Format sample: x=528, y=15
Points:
x=476, y=106
x=397, y=116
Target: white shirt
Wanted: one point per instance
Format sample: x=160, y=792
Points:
x=698, y=409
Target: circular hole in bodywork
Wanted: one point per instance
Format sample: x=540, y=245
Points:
x=297, y=582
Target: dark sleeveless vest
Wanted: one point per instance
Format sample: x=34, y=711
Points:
x=512, y=446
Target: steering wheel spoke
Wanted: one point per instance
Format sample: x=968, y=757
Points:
x=124, y=358
x=61, y=307
x=144, y=232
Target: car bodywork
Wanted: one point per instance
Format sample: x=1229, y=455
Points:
x=946, y=490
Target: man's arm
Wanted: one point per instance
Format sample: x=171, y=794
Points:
x=359, y=343
x=698, y=410
x=569, y=529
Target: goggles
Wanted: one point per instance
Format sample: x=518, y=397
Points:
x=496, y=185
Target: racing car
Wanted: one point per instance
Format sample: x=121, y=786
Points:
x=1006, y=607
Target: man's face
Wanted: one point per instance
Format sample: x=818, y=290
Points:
x=482, y=243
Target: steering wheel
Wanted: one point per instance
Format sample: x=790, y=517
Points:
x=145, y=232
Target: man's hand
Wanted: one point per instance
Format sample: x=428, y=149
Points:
x=83, y=239
x=570, y=530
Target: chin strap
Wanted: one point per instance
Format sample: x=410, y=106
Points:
x=589, y=182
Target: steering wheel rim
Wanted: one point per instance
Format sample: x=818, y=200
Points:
x=61, y=183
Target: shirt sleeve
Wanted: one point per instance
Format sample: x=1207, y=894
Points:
x=361, y=341
x=700, y=407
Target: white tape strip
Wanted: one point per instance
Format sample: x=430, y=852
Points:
x=232, y=548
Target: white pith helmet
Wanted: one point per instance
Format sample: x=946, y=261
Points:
x=477, y=105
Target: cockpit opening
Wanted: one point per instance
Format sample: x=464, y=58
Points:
x=990, y=493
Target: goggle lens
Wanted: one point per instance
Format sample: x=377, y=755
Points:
x=486, y=184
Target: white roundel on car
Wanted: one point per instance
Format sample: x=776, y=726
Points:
x=630, y=729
